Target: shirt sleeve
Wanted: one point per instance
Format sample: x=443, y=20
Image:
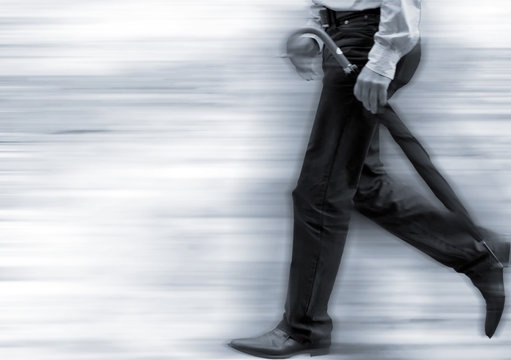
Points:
x=397, y=34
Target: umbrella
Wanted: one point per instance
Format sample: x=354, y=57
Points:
x=411, y=147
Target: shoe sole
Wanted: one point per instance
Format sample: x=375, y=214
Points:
x=312, y=352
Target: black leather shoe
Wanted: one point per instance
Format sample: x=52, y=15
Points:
x=491, y=285
x=277, y=344
x=490, y=282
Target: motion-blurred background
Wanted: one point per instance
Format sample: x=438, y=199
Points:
x=147, y=154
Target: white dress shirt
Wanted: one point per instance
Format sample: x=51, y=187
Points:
x=398, y=31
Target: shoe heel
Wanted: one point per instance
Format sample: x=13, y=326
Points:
x=319, y=352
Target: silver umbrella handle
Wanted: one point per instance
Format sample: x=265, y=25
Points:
x=348, y=67
x=411, y=147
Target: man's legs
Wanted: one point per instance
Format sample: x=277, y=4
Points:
x=323, y=199
x=323, y=196
x=321, y=225
x=322, y=203
x=435, y=231
x=409, y=215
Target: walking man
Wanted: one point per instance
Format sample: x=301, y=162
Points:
x=342, y=171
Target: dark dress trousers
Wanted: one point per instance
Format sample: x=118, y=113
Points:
x=342, y=171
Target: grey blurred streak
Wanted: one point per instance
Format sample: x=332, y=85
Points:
x=148, y=151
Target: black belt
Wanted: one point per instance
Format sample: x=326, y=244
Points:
x=331, y=17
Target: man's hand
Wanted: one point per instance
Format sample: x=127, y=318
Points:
x=371, y=89
x=302, y=51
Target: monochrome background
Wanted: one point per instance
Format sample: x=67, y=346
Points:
x=147, y=154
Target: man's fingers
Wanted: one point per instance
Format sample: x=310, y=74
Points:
x=365, y=96
x=357, y=92
x=373, y=99
x=304, y=66
x=307, y=75
x=361, y=92
x=371, y=89
x=382, y=97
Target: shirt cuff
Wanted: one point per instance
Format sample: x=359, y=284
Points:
x=383, y=60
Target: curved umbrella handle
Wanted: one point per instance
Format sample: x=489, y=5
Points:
x=348, y=67
x=411, y=147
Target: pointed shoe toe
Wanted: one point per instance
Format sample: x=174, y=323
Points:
x=493, y=316
x=491, y=286
x=277, y=344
